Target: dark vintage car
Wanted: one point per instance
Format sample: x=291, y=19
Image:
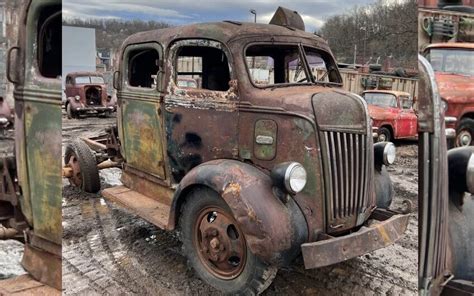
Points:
x=86, y=93
x=252, y=171
x=446, y=203
x=392, y=114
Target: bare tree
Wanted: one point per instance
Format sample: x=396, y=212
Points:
x=384, y=32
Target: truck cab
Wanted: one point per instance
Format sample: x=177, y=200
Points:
x=452, y=64
x=392, y=114
x=267, y=158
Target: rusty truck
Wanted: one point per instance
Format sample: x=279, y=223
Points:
x=392, y=114
x=446, y=203
x=86, y=93
x=251, y=171
x=445, y=38
x=30, y=174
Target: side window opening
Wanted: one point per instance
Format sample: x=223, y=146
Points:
x=143, y=67
x=49, y=42
x=203, y=68
x=407, y=103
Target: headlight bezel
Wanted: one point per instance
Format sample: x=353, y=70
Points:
x=283, y=174
x=385, y=153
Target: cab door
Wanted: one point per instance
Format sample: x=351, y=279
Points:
x=34, y=67
x=140, y=103
x=407, y=120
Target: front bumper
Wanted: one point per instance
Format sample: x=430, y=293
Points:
x=381, y=229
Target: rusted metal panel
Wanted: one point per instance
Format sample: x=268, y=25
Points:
x=376, y=235
x=151, y=210
x=238, y=184
x=143, y=135
x=43, y=266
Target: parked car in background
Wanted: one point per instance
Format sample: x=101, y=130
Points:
x=454, y=72
x=392, y=113
x=86, y=93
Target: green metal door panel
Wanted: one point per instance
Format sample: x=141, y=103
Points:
x=42, y=124
x=142, y=136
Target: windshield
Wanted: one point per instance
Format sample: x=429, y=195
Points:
x=455, y=61
x=381, y=99
x=278, y=64
x=89, y=79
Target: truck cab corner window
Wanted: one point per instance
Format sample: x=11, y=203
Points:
x=202, y=67
x=143, y=67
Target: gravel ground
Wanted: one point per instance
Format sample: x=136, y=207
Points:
x=107, y=250
x=11, y=252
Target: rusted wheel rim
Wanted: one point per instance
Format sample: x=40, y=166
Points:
x=382, y=138
x=76, y=179
x=464, y=138
x=219, y=243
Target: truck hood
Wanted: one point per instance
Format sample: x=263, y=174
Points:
x=455, y=88
x=331, y=108
x=380, y=113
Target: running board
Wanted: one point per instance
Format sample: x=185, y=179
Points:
x=147, y=208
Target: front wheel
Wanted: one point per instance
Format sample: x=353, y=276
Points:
x=81, y=160
x=216, y=247
x=465, y=132
x=384, y=135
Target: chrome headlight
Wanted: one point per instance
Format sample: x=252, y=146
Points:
x=289, y=176
x=384, y=153
x=77, y=98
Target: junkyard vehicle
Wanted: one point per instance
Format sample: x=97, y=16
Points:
x=392, y=113
x=452, y=64
x=30, y=183
x=6, y=115
x=187, y=82
x=86, y=93
x=250, y=173
x=446, y=184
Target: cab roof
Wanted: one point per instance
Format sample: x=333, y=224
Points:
x=223, y=32
x=84, y=73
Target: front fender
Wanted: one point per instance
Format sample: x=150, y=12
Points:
x=273, y=230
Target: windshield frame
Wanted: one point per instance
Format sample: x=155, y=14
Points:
x=430, y=50
x=90, y=80
x=395, y=97
x=306, y=67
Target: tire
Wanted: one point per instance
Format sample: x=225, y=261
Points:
x=465, y=132
x=85, y=173
x=384, y=135
x=70, y=113
x=251, y=276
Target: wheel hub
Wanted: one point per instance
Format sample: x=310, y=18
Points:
x=76, y=178
x=220, y=243
x=382, y=138
x=464, y=138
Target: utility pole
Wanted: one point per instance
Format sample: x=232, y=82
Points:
x=254, y=12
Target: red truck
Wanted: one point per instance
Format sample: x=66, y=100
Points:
x=452, y=64
x=392, y=113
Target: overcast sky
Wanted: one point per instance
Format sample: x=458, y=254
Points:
x=178, y=12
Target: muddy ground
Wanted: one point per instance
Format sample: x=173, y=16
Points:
x=107, y=250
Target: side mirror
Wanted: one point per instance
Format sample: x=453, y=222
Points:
x=116, y=80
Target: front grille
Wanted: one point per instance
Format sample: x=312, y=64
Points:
x=347, y=177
